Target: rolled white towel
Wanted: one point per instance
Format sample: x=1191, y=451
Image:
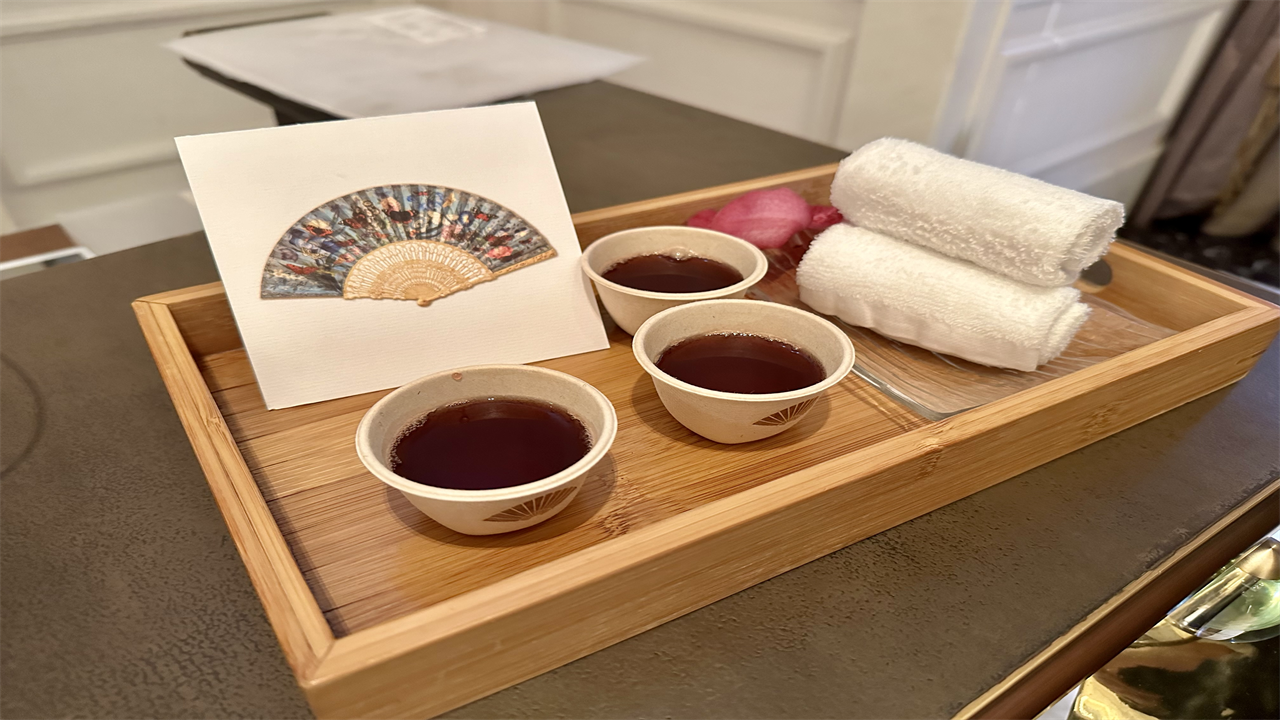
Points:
x=1017, y=226
x=921, y=297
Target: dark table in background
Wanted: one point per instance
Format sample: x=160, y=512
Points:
x=122, y=595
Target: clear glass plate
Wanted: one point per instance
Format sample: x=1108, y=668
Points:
x=939, y=386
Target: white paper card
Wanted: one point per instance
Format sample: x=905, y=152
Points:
x=253, y=186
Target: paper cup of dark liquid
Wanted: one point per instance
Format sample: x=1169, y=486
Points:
x=488, y=449
x=643, y=271
x=734, y=371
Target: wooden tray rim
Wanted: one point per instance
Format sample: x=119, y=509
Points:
x=319, y=659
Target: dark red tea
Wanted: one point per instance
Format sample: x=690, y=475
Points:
x=738, y=363
x=489, y=443
x=671, y=274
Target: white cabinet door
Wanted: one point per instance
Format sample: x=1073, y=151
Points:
x=1076, y=93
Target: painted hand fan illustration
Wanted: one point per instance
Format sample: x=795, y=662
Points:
x=404, y=242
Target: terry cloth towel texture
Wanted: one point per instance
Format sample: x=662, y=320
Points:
x=1014, y=225
x=922, y=297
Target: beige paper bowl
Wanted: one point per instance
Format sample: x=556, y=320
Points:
x=737, y=417
x=630, y=307
x=487, y=512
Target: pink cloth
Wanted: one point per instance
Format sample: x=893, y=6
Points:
x=767, y=218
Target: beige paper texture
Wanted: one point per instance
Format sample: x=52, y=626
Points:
x=251, y=186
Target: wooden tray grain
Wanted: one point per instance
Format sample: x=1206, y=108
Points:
x=383, y=613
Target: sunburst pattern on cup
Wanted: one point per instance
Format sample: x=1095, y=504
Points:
x=786, y=415
x=531, y=509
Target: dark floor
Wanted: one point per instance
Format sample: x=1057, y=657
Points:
x=1252, y=257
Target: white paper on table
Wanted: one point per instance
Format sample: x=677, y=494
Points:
x=403, y=60
x=253, y=185
x=425, y=26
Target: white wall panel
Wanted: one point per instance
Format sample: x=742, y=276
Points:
x=1028, y=18
x=529, y=14
x=93, y=103
x=1080, y=93
x=842, y=72
x=904, y=60
x=1072, y=14
x=785, y=73
x=90, y=100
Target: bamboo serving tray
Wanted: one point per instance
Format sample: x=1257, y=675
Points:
x=383, y=613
